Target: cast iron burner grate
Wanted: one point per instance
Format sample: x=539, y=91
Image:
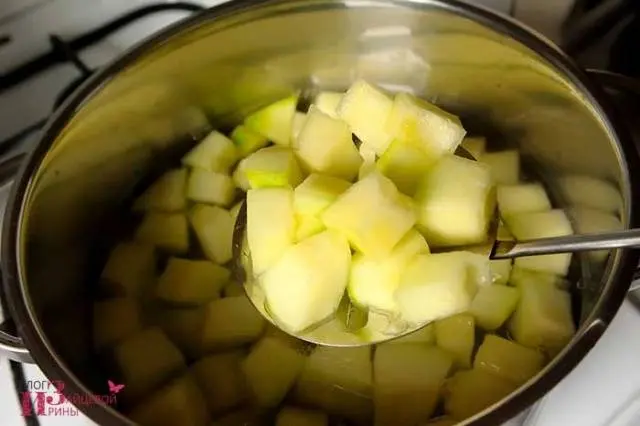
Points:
x=67, y=51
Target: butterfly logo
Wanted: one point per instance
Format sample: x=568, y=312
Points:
x=113, y=388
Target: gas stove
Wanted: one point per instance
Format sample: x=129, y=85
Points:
x=49, y=47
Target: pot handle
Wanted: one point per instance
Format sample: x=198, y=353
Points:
x=10, y=344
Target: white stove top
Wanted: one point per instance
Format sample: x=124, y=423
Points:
x=605, y=384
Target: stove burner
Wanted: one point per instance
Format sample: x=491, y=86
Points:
x=67, y=52
x=590, y=20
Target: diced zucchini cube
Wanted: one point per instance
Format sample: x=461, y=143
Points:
x=300, y=289
x=184, y=328
x=456, y=335
x=520, y=275
x=308, y=226
x=179, y=402
x=373, y=283
x=408, y=382
x=130, y=269
x=455, y=202
x=292, y=416
x=366, y=110
x=215, y=153
x=493, y=305
x=191, y=282
x=140, y=372
x=221, y=380
x=500, y=271
x=275, y=121
x=114, y=320
x=328, y=102
x=405, y=163
x=476, y=146
x=167, y=231
x=591, y=221
x=271, y=225
x=504, y=165
x=588, y=191
x=338, y=381
x=166, y=194
x=318, y=192
x=325, y=146
x=508, y=359
x=552, y=223
x=424, y=335
x=214, y=228
x=239, y=177
x=274, y=166
x=247, y=140
x=523, y=198
x=543, y=318
x=229, y=322
x=298, y=122
x=435, y=286
x=210, y=187
x=271, y=369
x=414, y=120
x=372, y=214
x=469, y=392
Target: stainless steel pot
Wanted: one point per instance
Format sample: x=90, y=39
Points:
x=124, y=124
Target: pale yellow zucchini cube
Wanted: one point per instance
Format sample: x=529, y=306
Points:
x=271, y=225
x=214, y=228
x=324, y=145
x=408, y=382
x=372, y=214
x=275, y=121
x=215, y=153
x=271, y=369
x=366, y=110
x=167, y=231
x=456, y=335
x=508, y=359
x=455, y=202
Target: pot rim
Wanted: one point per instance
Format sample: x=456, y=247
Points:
x=608, y=303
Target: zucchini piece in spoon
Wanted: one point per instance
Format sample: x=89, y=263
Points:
x=325, y=146
x=300, y=289
x=455, y=202
x=373, y=215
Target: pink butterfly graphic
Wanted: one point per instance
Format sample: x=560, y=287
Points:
x=113, y=388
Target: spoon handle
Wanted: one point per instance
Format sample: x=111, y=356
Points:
x=566, y=244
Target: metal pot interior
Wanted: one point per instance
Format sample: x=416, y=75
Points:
x=149, y=107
